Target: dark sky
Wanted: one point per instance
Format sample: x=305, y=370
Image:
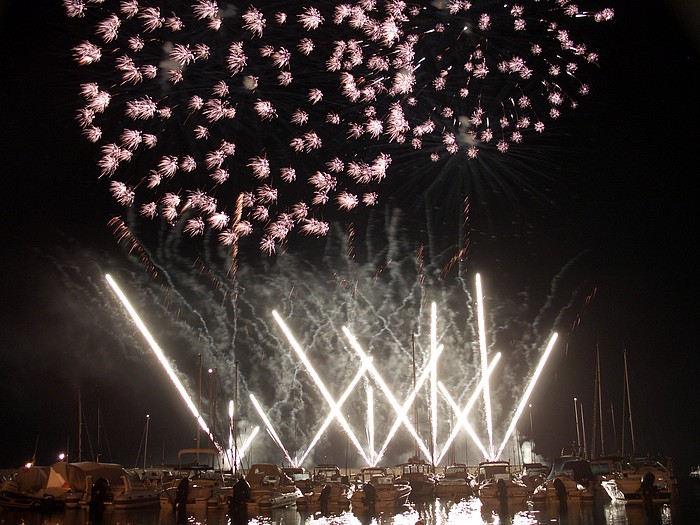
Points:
x=619, y=185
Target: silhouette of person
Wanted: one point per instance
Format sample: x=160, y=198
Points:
x=370, y=498
x=181, y=495
x=98, y=496
x=238, y=502
x=325, y=497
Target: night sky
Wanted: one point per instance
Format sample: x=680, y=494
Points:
x=602, y=228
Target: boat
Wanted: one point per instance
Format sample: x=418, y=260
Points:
x=695, y=473
x=135, y=494
x=330, y=491
x=209, y=486
x=26, y=489
x=301, y=478
x=419, y=475
x=663, y=485
x=497, y=486
x=270, y=488
x=455, y=483
x=533, y=475
x=377, y=489
x=571, y=480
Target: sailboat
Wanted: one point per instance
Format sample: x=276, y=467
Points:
x=418, y=473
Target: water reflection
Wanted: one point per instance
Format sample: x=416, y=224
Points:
x=470, y=512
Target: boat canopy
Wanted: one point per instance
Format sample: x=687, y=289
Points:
x=31, y=479
x=73, y=476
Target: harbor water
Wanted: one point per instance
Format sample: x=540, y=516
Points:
x=684, y=511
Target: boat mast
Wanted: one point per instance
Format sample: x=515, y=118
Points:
x=145, y=446
x=600, y=405
x=80, y=426
x=98, y=424
x=415, y=405
x=578, y=429
x=235, y=422
x=199, y=397
x=583, y=432
x=629, y=403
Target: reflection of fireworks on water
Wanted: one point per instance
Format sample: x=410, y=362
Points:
x=193, y=312
x=258, y=119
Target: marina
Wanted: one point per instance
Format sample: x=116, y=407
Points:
x=496, y=498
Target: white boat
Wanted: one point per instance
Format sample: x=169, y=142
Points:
x=135, y=494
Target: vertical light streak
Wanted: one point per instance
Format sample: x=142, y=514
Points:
x=484, y=360
x=392, y=400
x=468, y=407
x=462, y=420
x=401, y=417
x=332, y=414
x=370, y=422
x=162, y=359
x=528, y=391
x=324, y=391
x=433, y=382
x=271, y=430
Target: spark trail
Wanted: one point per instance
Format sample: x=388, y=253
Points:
x=379, y=308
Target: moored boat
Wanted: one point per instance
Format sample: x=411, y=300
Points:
x=497, y=486
x=331, y=491
x=376, y=489
x=26, y=489
x=208, y=485
x=270, y=488
x=419, y=475
x=455, y=483
x=571, y=480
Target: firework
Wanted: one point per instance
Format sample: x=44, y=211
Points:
x=295, y=112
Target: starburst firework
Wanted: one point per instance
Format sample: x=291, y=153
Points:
x=304, y=110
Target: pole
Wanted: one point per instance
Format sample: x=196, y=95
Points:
x=600, y=408
x=532, y=437
x=583, y=433
x=199, y=395
x=629, y=405
x=145, y=446
x=578, y=430
x=98, y=424
x=80, y=426
x=235, y=422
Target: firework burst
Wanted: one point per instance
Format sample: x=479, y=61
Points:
x=266, y=119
